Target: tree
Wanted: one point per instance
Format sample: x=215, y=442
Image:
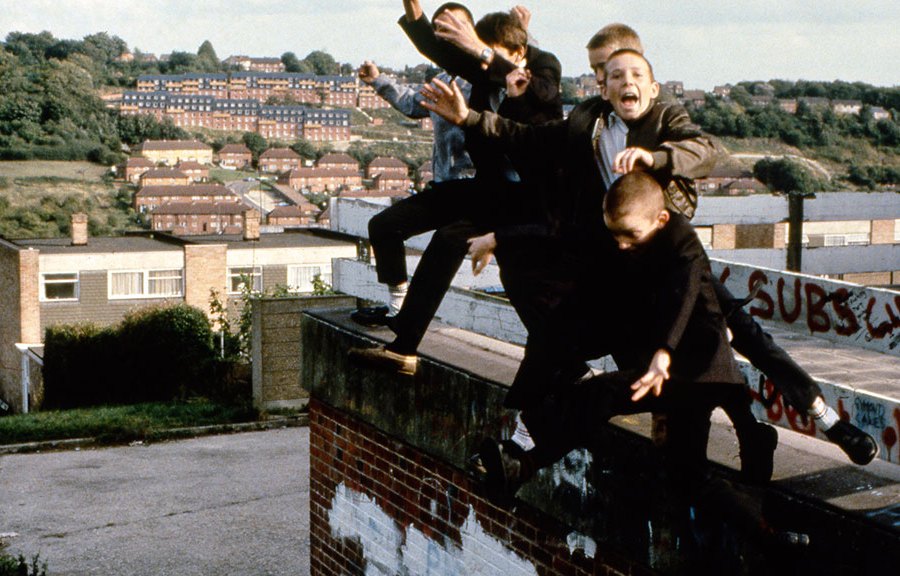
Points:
x=291, y=62
x=322, y=62
x=785, y=175
x=256, y=143
x=206, y=57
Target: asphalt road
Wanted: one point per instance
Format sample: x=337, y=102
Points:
x=229, y=504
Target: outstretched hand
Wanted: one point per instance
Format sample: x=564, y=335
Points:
x=459, y=32
x=517, y=82
x=656, y=375
x=368, y=72
x=445, y=100
x=523, y=15
x=481, y=249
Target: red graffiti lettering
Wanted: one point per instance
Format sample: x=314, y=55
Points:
x=791, y=316
x=795, y=420
x=766, y=312
x=816, y=318
x=842, y=413
x=850, y=326
x=886, y=327
x=889, y=437
x=726, y=272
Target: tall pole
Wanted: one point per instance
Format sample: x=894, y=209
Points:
x=795, y=234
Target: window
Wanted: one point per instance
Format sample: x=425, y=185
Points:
x=237, y=277
x=300, y=278
x=126, y=284
x=165, y=283
x=146, y=284
x=63, y=286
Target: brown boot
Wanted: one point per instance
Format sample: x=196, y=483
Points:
x=383, y=359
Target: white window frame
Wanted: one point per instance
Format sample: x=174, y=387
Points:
x=234, y=276
x=44, y=282
x=145, y=293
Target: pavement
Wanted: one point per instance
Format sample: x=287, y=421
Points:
x=219, y=504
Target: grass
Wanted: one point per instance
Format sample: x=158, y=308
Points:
x=119, y=423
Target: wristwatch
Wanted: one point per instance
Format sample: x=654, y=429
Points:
x=487, y=55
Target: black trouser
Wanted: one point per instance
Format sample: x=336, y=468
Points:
x=459, y=210
x=574, y=416
x=438, y=205
x=794, y=383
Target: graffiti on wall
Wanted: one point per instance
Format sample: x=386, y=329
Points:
x=391, y=550
x=838, y=311
x=877, y=415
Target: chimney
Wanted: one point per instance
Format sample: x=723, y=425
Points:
x=79, y=229
x=251, y=225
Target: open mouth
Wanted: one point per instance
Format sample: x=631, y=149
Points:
x=629, y=98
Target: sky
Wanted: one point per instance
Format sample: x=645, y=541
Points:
x=703, y=43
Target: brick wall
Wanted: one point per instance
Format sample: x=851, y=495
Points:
x=204, y=270
x=389, y=493
x=276, y=347
x=882, y=231
x=759, y=236
x=19, y=315
x=724, y=236
x=378, y=506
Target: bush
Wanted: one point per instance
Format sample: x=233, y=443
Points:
x=19, y=566
x=155, y=354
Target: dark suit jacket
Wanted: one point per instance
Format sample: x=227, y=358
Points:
x=540, y=103
x=679, y=149
x=666, y=296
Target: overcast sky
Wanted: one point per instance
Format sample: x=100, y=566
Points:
x=701, y=42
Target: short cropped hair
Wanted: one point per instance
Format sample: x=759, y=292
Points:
x=452, y=6
x=503, y=29
x=617, y=35
x=621, y=51
x=636, y=191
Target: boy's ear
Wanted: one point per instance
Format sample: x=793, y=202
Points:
x=654, y=89
x=603, y=90
x=663, y=218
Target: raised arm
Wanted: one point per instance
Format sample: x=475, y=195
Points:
x=685, y=151
x=445, y=55
x=403, y=98
x=518, y=139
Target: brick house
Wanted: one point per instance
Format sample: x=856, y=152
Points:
x=293, y=216
x=720, y=178
x=165, y=177
x=194, y=170
x=191, y=218
x=317, y=179
x=235, y=156
x=150, y=197
x=386, y=165
x=100, y=279
x=391, y=181
x=279, y=160
x=337, y=160
x=134, y=167
x=846, y=107
x=171, y=152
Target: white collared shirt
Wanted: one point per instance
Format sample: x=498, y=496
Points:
x=612, y=141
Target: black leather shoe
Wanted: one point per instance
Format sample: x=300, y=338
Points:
x=503, y=472
x=372, y=316
x=757, y=453
x=859, y=446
